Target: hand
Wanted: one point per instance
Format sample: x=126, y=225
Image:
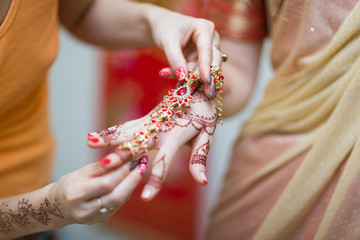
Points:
x=105, y=185
x=188, y=44
x=196, y=127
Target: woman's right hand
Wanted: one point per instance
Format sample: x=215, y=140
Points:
x=106, y=185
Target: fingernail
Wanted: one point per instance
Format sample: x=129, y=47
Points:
x=133, y=164
x=212, y=92
x=180, y=73
x=209, y=80
x=94, y=140
x=203, y=177
x=105, y=161
x=146, y=193
x=90, y=135
x=142, y=164
x=164, y=74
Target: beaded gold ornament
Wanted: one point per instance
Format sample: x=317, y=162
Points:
x=216, y=73
x=174, y=103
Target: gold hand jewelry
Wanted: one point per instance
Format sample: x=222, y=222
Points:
x=216, y=73
x=175, y=102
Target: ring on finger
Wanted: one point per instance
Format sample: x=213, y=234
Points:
x=224, y=56
x=103, y=209
x=127, y=145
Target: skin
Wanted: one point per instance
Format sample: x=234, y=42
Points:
x=4, y=8
x=112, y=24
x=240, y=73
x=197, y=127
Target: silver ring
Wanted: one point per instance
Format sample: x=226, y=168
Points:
x=102, y=209
x=224, y=56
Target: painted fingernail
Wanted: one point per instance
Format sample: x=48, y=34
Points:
x=146, y=193
x=164, y=74
x=105, y=161
x=209, y=80
x=203, y=177
x=180, y=73
x=142, y=164
x=90, y=135
x=133, y=164
x=94, y=140
x=212, y=92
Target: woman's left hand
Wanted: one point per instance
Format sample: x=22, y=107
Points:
x=196, y=127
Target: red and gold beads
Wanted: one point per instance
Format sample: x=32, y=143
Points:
x=174, y=103
x=216, y=73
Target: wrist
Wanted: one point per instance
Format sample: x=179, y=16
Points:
x=56, y=197
x=153, y=15
x=30, y=213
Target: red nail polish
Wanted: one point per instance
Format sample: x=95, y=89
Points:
x=105, y=161
x=90, y=135
x=94, y=140
x=164, y=74
x=142, y=164
x=180, y=73
x=203, y=177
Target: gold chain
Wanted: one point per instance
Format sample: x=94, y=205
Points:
x=216, y=73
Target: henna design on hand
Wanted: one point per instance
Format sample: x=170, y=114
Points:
x=110, y=134
x=201, y=153
x=199, y=97
x=156, y=181
x=200, y=123
x=9, y=219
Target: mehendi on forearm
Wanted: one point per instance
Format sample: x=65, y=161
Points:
x=10, y=219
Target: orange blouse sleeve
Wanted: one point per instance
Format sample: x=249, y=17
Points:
x=244, y=19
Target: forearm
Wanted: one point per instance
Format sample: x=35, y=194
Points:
x=29, y=213
x=240, y=73
x=111, y=23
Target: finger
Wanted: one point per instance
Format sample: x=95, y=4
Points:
x=200, y=148
x=167, y=73
x=109, y=203
x=100, y=185
x=108, y=136
x=215, y=60
x=109, y=162
x=104, y=137
x=176, y=59
x=203, y=38
x=159, y=169
x=115, y=135
x=193, y=66
x=125, y=188
x=206, y=87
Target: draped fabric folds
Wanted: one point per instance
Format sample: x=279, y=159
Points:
x=324, y=97
x=315, y=94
